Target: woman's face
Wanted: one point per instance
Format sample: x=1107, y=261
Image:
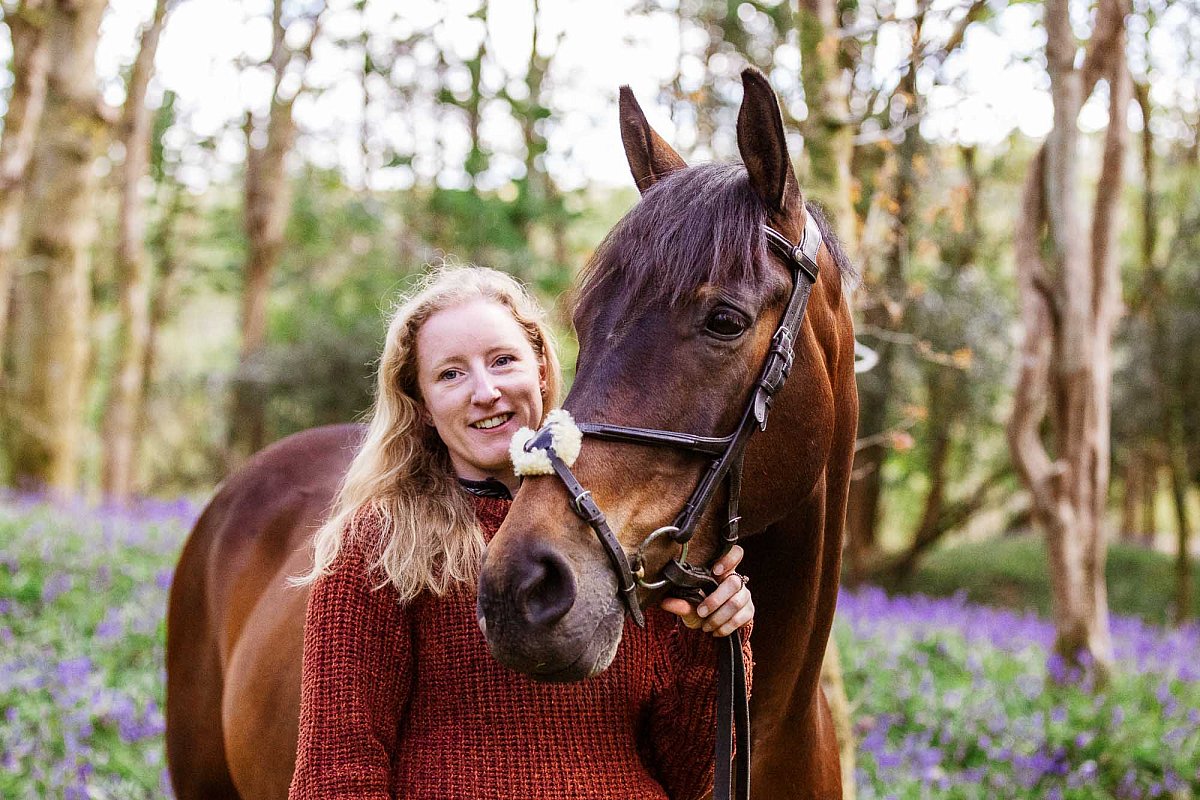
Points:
x=480, y=381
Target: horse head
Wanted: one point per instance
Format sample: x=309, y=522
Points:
x=676, y=315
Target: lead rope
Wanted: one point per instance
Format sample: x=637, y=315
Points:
x=733, y=702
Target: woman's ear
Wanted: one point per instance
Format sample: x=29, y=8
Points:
x=426, y=417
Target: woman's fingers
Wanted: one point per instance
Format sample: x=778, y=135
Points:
x=727, y=588
x=738, y=620
x=728, y=562
x=682, y=609
x=727, y=611
x=728, y=608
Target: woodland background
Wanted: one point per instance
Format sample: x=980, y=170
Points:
x=183, y=281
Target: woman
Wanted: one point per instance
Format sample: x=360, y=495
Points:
x=400, y=697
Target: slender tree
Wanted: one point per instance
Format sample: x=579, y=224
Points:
x=1069, y=291
x=884, y=304
x=1156, y=307
x=122, y=411
x=883, y=309
x=267, y=203
x=828, y=151
x=166, y=254
x=45, y=404
x=829, y=129
x=29, y=67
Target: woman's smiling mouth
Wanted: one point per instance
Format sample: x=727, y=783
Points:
x=492, y=422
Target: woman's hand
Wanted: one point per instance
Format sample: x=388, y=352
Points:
x=728, y=608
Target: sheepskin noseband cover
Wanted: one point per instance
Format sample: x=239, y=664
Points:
x=565, y=439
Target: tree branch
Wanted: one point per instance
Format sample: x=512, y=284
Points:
x=1103, y=48
x=1030, y=458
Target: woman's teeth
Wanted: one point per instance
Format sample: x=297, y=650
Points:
x=491, y=422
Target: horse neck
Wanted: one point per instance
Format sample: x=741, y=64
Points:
x=797, y=482
x=794, y=567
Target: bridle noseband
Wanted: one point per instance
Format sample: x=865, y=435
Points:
x=725, y=453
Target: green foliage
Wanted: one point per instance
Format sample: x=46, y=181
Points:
x=342, y=271
x=1012, y=572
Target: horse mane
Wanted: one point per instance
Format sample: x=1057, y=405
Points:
x=698, y=226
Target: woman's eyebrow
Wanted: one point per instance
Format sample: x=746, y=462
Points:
x=442, y=363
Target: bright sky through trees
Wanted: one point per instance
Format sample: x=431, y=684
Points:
x=985, y=90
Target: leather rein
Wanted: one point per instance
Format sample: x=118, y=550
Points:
x=681, y=578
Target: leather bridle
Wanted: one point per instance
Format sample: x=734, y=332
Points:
x=726, y=453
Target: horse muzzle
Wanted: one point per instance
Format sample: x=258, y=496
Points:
x=546, y=610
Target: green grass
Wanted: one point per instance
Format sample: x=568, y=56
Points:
x=1012, y=572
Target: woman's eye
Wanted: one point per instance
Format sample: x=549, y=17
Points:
x=448, y=375
x=504, y=361
x=725, y=324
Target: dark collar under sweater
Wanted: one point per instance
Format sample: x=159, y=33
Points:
x=488, y=487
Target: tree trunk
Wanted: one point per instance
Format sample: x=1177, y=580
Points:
x=1169, y=403
x=30, y=67
x=885, y=313
x=539, y=199
x=1149, y=509
x=267, y=201
x=828, y=132
x=1069, y=308
x=866, y=484
x=941, y=416
x=1131, y=482
x=122, y=412
x=161, y=301
x=267, y=204
x=53, y=295
x=829, y=149
x=946, y=402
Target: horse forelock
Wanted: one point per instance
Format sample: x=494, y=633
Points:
x=697, y=227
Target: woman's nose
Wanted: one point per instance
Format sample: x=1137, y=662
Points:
x=486, y=390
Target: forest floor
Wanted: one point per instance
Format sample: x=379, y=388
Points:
x=1012, y=572
x=950, y=698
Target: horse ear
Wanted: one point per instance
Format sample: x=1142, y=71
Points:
x=650, y=157
x=763, y=146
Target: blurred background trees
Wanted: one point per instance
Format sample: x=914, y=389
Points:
x=188, y=273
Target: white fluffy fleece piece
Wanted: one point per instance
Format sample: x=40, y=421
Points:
x=565, y=438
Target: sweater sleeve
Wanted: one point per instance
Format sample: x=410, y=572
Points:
x=683, y=718
x=355, y=684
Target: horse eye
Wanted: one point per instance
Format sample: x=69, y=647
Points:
x=725, y=324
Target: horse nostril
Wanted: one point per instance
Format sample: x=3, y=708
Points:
x=546, y=589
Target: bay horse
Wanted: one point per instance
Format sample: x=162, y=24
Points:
x=676, y=316
x=235, y=627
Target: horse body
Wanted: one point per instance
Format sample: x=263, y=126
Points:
x=235, y=629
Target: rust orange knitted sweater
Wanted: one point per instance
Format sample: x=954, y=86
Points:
x=404, y=701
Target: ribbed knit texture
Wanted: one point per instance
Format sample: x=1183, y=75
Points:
x=406, y=702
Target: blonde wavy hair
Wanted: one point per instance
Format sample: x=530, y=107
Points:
x=402, y=473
